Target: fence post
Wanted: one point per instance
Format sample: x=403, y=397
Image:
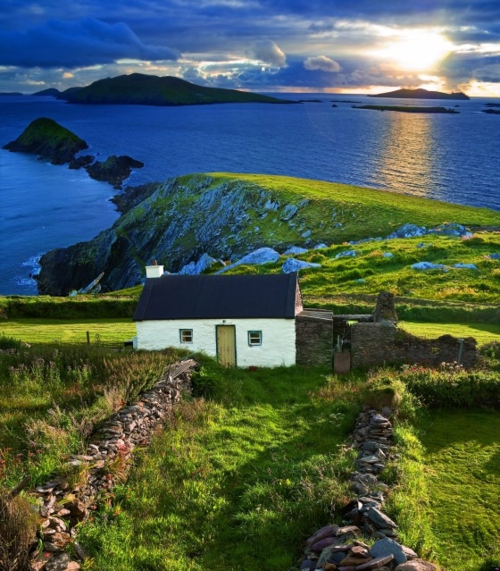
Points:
x=88, y=337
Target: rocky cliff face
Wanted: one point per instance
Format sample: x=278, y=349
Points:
x=183, y=219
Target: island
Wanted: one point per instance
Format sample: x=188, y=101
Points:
x=49, y=140
x=492, y=111
x=420, y=93
x=406, y=108
x=142, y=89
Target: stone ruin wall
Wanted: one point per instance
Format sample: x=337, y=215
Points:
x=314, y=338
x=378, y=343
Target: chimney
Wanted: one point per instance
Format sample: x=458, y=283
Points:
x=154, y=270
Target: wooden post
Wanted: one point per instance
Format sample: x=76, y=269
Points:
x=88, y=337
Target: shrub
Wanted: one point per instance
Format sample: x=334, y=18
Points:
x=385, y=388
x=17, y=532
x=451, y=386
x=10, y=343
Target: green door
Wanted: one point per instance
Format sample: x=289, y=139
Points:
x=226, y=345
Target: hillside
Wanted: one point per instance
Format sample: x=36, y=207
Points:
x=141, y=89
x=227, y=216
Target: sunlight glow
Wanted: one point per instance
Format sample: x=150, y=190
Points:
x=416, y=50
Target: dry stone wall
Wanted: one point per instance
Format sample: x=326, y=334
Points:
x=378, y=343
x=341, y=548
x=66, y=501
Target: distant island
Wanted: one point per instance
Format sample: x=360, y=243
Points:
x=420, y=93
x=406, y=108
x=492, y=111
x=141, y=89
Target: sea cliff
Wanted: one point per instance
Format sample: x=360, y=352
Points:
x=225, y=217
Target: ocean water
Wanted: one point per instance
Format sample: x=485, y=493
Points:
x=444, y=157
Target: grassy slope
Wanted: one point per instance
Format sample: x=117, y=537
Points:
x=377, y=210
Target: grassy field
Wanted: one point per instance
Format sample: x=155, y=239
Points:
x=483, y=333
x=115, y=331
x=453, y=466
x=53, y=395
x=239, y=482
x=256, y=462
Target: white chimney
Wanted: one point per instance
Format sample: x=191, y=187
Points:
x=154, y=270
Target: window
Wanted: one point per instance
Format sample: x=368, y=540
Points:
x=186, y=335
x=254, y=338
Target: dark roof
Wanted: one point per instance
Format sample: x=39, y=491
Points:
x=218, y=297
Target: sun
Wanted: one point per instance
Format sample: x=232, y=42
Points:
x=417, y=50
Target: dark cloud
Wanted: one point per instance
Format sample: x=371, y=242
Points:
x=298, y=43
x=72, y=44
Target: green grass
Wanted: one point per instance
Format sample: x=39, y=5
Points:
x=53, y=396
x=114, y=331
x=239, y=481
x=371, y=271
x=483, y=333
x=372, y=211
x=459, y=479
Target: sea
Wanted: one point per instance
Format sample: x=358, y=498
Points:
x=448, y=157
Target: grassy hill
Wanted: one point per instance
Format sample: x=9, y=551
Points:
x=141, y=89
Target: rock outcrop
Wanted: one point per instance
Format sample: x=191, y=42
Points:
x=180, y=221
x=114, y=169
x=49, y=140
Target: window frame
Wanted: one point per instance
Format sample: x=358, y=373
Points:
x=182, y=340
x=249, y=337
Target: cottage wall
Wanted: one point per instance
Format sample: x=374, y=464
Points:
x=278, y=338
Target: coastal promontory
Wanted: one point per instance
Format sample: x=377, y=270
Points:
x=421, y=93
x=46, y=138
x=223, y=217
x=141, y=89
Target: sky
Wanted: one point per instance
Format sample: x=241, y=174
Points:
x=336, y=46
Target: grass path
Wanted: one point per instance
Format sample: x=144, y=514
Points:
x=238, y=484
x=462, y=455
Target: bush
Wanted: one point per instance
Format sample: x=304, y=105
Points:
x=10, y=343
x=451, y=386
x=385, y=388
x=17, y=532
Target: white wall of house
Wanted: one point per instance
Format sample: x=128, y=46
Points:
x=278, y=338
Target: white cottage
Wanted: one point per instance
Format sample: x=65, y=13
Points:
x=243, y=320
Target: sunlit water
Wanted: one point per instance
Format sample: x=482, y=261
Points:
x=445, y=157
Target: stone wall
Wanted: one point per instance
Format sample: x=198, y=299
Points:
x=67, y=500
x=314, y=337
x=379, y=343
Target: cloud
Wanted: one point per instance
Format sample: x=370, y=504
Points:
x=267, y=51
x=84, y=42
x=323, y=63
